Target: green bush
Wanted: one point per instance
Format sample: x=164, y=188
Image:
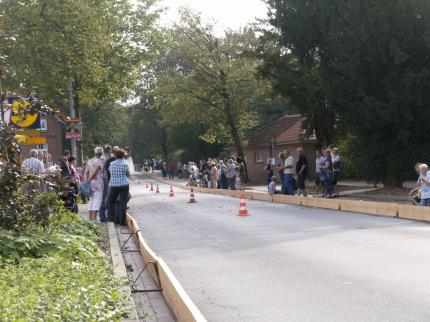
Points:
x=57, y=275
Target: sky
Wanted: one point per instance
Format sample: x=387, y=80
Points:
x=226, y=14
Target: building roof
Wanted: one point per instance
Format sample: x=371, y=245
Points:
x=287, y=129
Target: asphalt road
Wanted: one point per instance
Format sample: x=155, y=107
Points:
x=288, y=263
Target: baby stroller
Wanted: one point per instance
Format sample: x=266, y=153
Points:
x=70, y=200
x=69, y=197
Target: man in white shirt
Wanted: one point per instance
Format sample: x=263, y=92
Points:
x=289, y=173
x=33, y=164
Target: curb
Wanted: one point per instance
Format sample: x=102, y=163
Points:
x=373, y=208
x=119, y=271
x=176, y=297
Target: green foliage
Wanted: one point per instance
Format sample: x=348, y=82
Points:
x=22, y=201
x=58, y=275
x=100, y=45
x=106, y=124
x=357, y=69
x=35, y=242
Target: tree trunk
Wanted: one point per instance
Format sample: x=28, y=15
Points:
x=80, y=153
x=231, y=122
x=235, y=134
x=164, y=144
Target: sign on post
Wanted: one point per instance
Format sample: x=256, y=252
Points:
x=73, y=135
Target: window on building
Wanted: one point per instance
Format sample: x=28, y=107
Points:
x=258, y=156
x=42, y=147
x=43, y=124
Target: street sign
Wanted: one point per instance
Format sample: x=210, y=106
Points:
x=72, y=120
x=73, y=135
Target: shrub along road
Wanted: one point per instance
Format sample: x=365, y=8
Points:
x=287, y=263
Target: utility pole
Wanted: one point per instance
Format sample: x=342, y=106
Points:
x=1, y=100
x=72, y=115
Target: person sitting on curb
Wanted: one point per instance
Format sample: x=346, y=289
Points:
x=415, y=193
x=271, y=188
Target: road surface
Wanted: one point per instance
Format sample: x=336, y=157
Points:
x=288, y=263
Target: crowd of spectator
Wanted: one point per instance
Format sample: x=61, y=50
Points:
x=106, y=174
x=291, y=170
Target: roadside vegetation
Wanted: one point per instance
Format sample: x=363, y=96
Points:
x=51, y=268
x=57, y=274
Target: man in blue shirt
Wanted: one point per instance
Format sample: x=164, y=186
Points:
x=118, y=187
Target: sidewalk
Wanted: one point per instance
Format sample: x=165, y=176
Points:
x=127, y=263
x=151, y=306
x=261, y=188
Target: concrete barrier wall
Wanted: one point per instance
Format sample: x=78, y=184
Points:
x=145, y=251
x=238, y=193
x=184, y=309
x=262, y=196
x=292, y=200
x=387, y=209
x=178, y=300
x=411, y=212
x=358, y=206
x=426, y=214
x=321, y=203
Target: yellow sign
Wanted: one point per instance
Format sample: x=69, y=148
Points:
x=35, y=140
x=18, y=116
x=30, y=140
x=29, y=132
x=22, y=139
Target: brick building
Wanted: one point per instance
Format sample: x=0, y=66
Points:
x=268, y=141
x=50, y=128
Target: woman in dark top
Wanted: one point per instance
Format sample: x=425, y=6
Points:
x=269, y=171
x=302, y=172
x=280, y=168
x=242, y=173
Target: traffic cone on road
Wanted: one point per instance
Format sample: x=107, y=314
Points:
x=146, y=185
x=192, y=199
x=243, y=212
x=172, y=194
x=152, y=187
x=158, y=190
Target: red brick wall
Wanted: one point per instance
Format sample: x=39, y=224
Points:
x=255, y=169
x=54, y=140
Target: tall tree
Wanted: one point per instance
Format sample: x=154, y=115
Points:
x=98, y=47
x=213, y=81
x=364, y=68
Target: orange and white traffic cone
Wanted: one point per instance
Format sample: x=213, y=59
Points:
x=192, y=199
x=158, y=190
x=243, y=212
x=172, y=194
x=146, y=185
x=152, y=187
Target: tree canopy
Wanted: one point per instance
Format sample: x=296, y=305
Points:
x=357, y=70
x=100, y=45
